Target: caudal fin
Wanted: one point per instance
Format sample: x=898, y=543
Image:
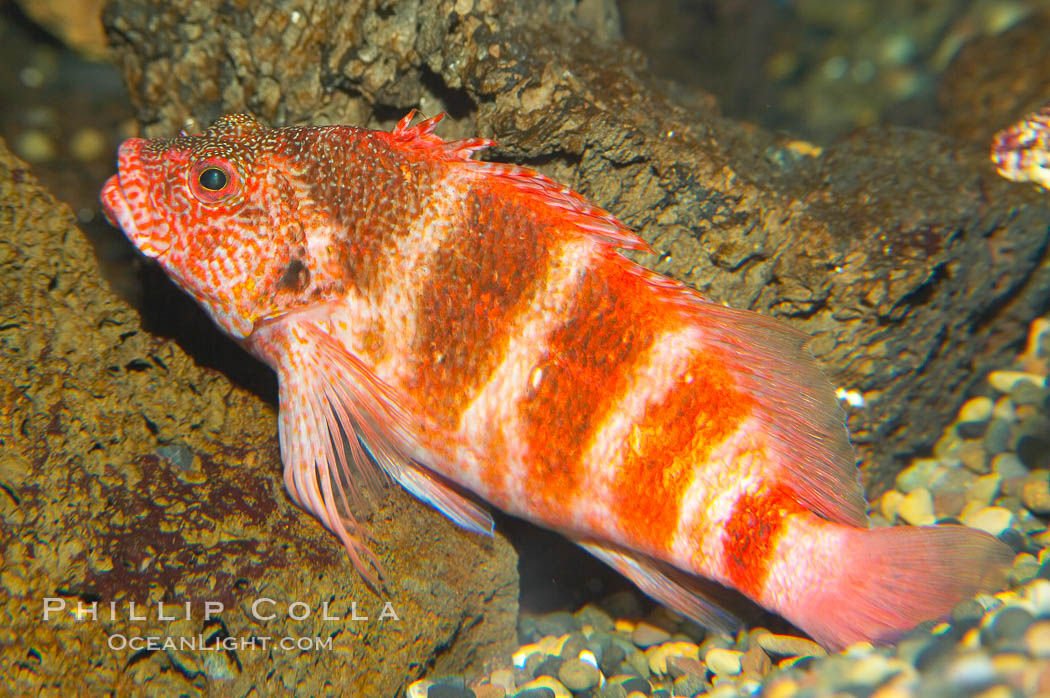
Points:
x=888, y=580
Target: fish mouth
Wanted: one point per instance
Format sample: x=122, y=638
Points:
x=125, y=201
x=116, y=208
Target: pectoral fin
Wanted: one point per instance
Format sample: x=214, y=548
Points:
x=339, y=421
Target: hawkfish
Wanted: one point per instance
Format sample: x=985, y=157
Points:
x=472, y=330
x=1021, y=152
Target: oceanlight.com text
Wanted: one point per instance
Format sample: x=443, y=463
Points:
x=200, y=643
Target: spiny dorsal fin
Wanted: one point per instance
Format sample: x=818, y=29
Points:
x=571, y=207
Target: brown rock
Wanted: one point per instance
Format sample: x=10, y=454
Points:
x=948, y=503
x=996, y=80
x=76, y=22
x=128, y=474
x=755, y=663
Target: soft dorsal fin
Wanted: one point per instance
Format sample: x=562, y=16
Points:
x=769, y=360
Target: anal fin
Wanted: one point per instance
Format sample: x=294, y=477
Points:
x=694, y=597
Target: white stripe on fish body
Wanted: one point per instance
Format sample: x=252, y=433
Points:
x=735, y=468
x=652, y=380
x=804, y=561
x=495, y=409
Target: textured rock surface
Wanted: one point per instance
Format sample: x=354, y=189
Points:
x=129, y=474
x=996, y=80
x=900, y=252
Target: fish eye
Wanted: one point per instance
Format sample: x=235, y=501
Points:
x=213, y=179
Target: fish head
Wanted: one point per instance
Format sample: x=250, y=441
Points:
x=217, y=216
x=1021, y=153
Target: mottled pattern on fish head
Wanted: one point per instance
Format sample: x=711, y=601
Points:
x=1022, y=152
x=218, y=216
x=254, y=222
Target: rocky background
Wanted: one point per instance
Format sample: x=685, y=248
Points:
x=809, y=160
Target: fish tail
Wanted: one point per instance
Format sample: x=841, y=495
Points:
x=880, y=583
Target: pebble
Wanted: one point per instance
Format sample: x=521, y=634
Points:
x=1023, y=572
x=611, y=659
x=1010, y=623
x=917, y=507
x=688, y=686
x=548, y=667
x=1027, y=393
x=973, y=456
x=978, y=409
x=1037, y=639
x=999, y=691
x=755, y=662
x=418, y=689
x=790, y=646
x=677, y=666
x=632, y=684
x=489, y=691
x=429, y=688
x=448, y=691
x=1035, y=493
x=1008, y=465
x=1004, y=410
x=638, y=663
x=986, y=488
x=955, y=480
x=522, y=655
x=948, y=504
x=782, y=688
x=556, y=624
x=919, y=474
x=872, y=670
x=659, y=654
x=646, y=635
x=1004, y=381
x=595, y=617
x=578, y=675
x=723, y=662
x=504, y=678
x=997, y=435
x=536, y=692
x=889, y=503
x=535, y=689
x=1034, y=450
x=970, y=670
x=991, y=519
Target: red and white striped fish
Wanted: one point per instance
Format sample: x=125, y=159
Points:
x=473, y=327
x=1021, y=153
